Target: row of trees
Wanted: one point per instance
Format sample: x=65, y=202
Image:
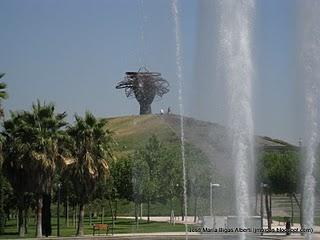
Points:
x=38, y=144
x=157, y=175
x=41, y=151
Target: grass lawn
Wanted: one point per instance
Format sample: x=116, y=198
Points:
x=121, y=226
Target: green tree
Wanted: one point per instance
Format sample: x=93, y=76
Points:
x=153, y=154
x=199, y=177
x=91, y=149
x=140, y=178
x=171, y=185
x=120, y=182
x=3, y=95
x=280, y=170
x=32, y=152
x=14, y=162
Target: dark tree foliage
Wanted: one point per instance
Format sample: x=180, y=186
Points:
x=3, y=95
x=280, y=170
x=121, y=172
x=31, y=152
x=90, y=151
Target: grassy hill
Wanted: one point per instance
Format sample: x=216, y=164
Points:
x=132, y=132
x=210, y=139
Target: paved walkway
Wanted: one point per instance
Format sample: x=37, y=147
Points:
x=190, y=221
x=164, y=219
x=181, y=236
x=191, y=235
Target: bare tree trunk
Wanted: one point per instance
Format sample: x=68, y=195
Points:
x=17, y=219
x=291, y=200
x=46, y=215
x=300, y=207
x=148, y=211
x=136, y=212
x=66, y=211
x=195, y=209
x=102, y=215
x=301, y=212
x=80, y=220
x=112, y=215
x=171, y=211
x=21, y=225
x=74, y=215
x=141, y=209
x=182, y=210
x=111, y=208
x=116, y=210
x=270, y=204
x=256, y=204
x=267, y=209
x=26, y=220
x=261, y=208
x=39, y=217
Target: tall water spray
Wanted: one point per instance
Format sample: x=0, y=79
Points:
x=143, y=19
x=235, y=57
x=175, y=11
x=310, y=56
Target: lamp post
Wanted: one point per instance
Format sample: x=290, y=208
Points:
x=211, y=205
x=262, y=186
x=58, y=210
x=135, y=194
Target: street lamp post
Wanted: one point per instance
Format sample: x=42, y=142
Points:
x=58, y=210
x=134, y=183
x=211, y=205
x=262, y=186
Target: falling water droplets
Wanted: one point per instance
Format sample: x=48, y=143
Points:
x=236, y=69
x=179, y=65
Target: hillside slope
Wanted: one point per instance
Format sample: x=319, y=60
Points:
x=132, y=132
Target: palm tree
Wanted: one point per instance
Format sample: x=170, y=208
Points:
x=3, y=95
x=91, y=149
x=3, y=86
x=14, y=154
x=34, y=155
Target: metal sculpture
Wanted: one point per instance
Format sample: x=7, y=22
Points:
x=144, y=86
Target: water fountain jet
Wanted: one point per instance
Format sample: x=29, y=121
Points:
x=237, y=70
x=310, y=52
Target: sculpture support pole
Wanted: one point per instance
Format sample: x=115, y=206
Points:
x=145, y=109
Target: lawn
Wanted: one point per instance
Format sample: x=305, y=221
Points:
x=122, y=225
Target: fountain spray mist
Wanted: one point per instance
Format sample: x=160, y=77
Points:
x=236, y=68
x=175, y=12
x=310, y=57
